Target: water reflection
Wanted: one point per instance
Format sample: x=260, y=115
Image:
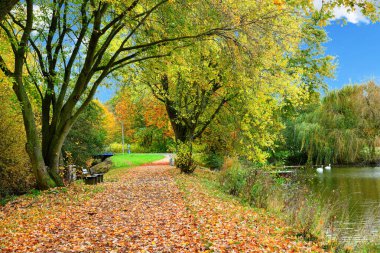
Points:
x=356, y=193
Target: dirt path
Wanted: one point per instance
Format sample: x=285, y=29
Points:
x=141, y=211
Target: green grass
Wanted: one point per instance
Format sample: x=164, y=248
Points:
x=130, y=160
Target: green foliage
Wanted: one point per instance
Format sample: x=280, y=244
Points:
x=233, y=179
x=213, y=160
x=344, y=128
x=151, y=139
x=88, y=135
x=116, y=147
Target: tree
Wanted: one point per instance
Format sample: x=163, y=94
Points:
x=111, y=125
x=193, y=89
x=145, y=119
x=76, y=45
x=344, y=128
x=88, y=134
x=367, y=107
x=257, y=78
x=5, y=7
x=126, y=111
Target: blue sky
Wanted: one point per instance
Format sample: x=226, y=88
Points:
x=356, y=47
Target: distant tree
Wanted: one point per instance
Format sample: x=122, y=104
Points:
x=127, y=112
x=145, y=119
x=344, y=128
x=88, y=135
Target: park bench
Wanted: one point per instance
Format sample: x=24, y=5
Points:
x=91, y=178
x=92, y=175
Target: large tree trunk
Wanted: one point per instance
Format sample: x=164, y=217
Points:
x=5, y=7
x=54, y=150
x=33, y=145
x=184, y=144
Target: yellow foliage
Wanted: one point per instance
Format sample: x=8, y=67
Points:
x=15, y=172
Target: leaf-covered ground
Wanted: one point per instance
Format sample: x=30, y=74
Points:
x=143, y=209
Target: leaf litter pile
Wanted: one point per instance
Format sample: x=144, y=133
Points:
x=143, y=210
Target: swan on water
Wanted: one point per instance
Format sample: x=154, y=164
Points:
x=320, y=169
x=328, y=167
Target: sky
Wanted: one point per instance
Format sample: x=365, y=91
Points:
x=355, y=46
x=357, y=51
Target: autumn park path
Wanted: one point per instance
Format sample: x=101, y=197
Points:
x=149, y=208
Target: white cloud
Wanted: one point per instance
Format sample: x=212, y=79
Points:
x=341, y=12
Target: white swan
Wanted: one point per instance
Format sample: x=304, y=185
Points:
x=320, y=169
x=328, y=167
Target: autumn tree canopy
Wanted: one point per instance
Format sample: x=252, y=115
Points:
x=64, y=50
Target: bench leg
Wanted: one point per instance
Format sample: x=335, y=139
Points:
x=90, y=180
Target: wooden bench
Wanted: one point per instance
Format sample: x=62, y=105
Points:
x=91, y=178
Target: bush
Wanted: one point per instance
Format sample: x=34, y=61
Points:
x=184, y=159
x=303, y=211
x=213, y=160
x=136, y=148
x=116, y=147
x=233, y=179
x=260, y=189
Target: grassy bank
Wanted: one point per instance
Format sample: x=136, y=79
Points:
x=130, y=160
x=286, y=200
x=224, y=219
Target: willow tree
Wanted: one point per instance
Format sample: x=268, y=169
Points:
x=70, y=48
x=344, y=128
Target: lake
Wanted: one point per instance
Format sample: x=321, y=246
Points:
x=355, y=193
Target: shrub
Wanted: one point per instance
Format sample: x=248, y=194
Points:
x=303, y=211
x=259, y=188
x=213, y=160
x=136, y=148
x=233, y=179
x=116, y=147
x=184, y=159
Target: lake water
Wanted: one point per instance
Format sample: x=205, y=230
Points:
x=355, y=193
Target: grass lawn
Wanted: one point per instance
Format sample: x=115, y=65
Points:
x=129, y=160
